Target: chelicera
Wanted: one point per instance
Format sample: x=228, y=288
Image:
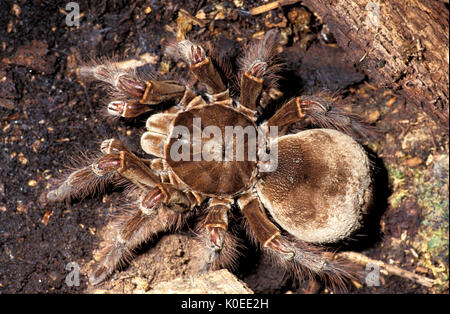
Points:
x=318, y=191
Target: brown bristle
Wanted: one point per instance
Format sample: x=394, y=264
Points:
x=265, y=51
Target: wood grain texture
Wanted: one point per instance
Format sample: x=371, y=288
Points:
x=407, y=49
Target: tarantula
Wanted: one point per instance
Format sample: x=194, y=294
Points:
x=303, y=189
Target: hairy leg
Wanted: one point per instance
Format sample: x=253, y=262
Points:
x=259, y=65
x=80, y=183
x=117, y=165
x=221, y=245
x=200, y=64
x=133, y=94
x=310, y=111
x=297, y=256
x=159, y=209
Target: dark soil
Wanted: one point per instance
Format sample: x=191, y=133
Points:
x=48, y=117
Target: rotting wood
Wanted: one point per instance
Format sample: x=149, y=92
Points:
x=403, y=45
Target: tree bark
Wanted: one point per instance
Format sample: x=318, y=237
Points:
x=403, y=45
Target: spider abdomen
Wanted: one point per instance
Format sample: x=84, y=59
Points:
x=321, y=188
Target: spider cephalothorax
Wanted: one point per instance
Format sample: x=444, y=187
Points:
x=211, y=150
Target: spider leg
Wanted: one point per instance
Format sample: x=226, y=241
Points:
x=217, y=222
x=143, y=94
x=80, y=183
x=259, y=65
x=117, y=161
x=316, y=111
x=159, y=209
x=84, y=181
x=202, y=67
x=221, y=244
x=298, y=256
x=134, y=94
x=251, y=85
x=128, y=165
